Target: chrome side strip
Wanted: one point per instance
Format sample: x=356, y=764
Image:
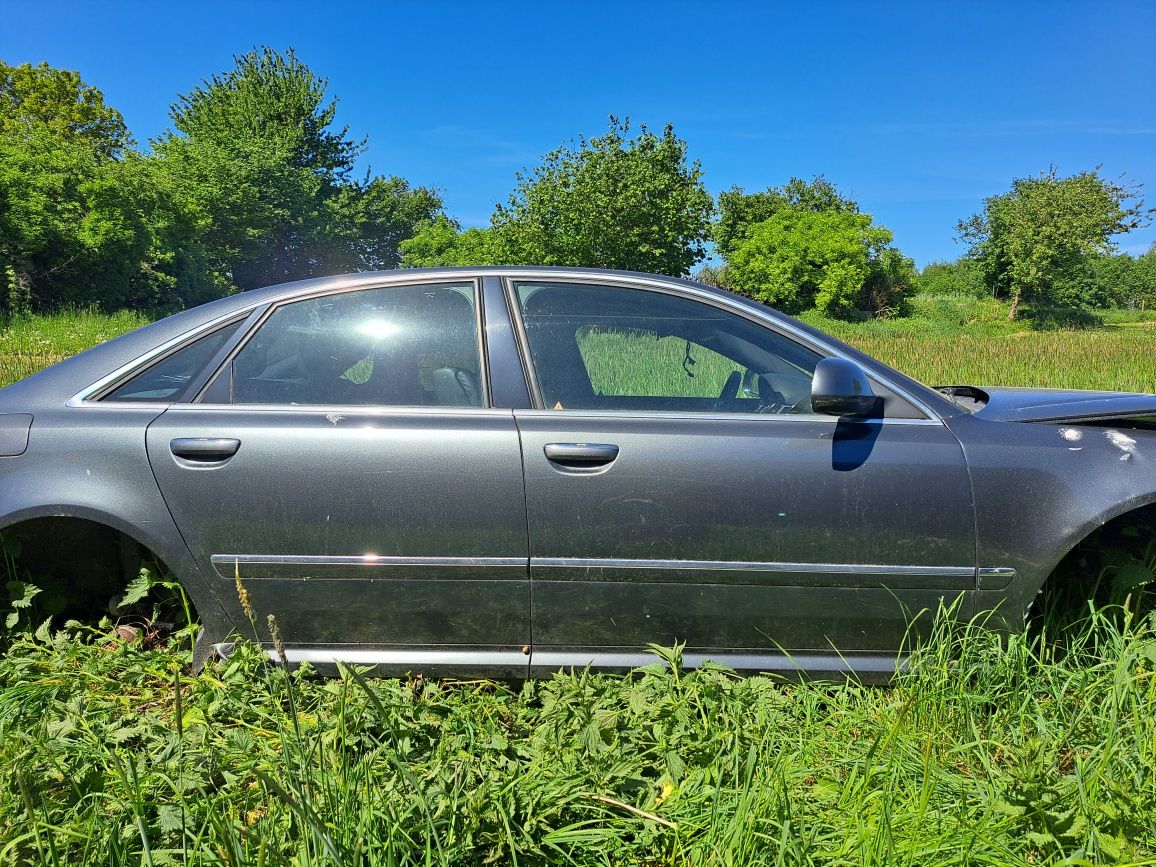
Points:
x=995, y=577
x=409, y=659
x=442, y=662
x=989, y=577
x=517, y=663
x=874, y=667
x=265, y=566
x=367, y=560
x=741, y=566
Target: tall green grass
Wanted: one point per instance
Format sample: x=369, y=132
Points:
x=947, y=341
x=1123, y=360
x=956, y=341
x=981, y=752
x=30, y=343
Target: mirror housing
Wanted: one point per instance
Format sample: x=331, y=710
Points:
x=841, y=387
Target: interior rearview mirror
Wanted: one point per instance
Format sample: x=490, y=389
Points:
x=841, y=387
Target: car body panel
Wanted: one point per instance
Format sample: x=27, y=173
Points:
x=1053, y=404
x=91, y=464
x=358, y=526
x=748, y=533
x=1041, y=488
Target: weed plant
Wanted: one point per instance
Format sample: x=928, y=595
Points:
x=983, y=750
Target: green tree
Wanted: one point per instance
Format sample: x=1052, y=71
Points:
x=266, y=178
x=961, y=277
x=611, y=202
x=1109, y=280
x=805, y=244
x=834, y=261
x=713, y=275
x=58, y=103
x=78, y=219
x=1146, y=279
x=441, y=241
x=1030, y=239
x=738, y=210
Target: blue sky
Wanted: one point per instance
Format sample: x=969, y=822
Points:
x=917, y=110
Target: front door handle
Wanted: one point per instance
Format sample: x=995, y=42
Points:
x=579, y=457
x=206, y=450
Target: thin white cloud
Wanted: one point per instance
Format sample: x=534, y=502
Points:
x=945, y=129
x=487, y=148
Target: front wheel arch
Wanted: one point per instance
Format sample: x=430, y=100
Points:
x=1092, y=569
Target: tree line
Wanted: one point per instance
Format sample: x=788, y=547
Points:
x=254, y=183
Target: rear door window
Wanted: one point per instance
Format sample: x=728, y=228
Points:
x=389, y=346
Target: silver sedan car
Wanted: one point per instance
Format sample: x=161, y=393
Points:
x=505, y=471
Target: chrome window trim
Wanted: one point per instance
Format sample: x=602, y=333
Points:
x=358, y=409
x=509, y=275
x=611, y=414
x=350, y=283
x=686, y=291
x=273, y=306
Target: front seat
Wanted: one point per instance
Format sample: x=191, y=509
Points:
x=455, y=386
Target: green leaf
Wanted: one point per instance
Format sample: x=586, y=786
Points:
x=137, y=589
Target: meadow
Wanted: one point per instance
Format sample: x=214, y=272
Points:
x=1036, y=749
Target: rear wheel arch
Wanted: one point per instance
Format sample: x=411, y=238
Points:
x=109, y=552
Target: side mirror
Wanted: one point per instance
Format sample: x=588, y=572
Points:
x=840, y=387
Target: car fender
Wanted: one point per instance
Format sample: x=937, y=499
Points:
x=111, y=483
x=1042, y=488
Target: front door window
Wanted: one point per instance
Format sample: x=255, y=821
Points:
x=614, y=348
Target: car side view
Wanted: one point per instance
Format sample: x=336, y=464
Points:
x=507, y=471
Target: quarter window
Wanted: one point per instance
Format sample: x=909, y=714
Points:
x=165, y=379
x=616, y=348
x=391, y=346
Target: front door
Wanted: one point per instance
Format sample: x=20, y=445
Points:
x=345, y=466
x=680, y=489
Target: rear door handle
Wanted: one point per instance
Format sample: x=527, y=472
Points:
x=204, y=449
x=580, y=456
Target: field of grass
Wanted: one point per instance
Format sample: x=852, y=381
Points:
x=983, y=752
x=31, y=343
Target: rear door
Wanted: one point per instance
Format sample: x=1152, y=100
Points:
x=345, y=464
x=681, y=490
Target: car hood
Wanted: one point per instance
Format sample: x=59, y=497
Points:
x=1053, y=404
